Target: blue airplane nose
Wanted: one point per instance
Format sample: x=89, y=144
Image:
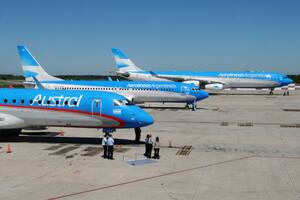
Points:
x=290, y=81
x=287, y=81
x=139, y=118
x=145, y=119
x=202, y=95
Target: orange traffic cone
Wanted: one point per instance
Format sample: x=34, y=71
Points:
x=8, y=149
x=62, y=132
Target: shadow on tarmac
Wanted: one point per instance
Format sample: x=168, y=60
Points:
x=49, y=137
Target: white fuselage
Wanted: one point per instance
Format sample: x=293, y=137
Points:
x=133, y=94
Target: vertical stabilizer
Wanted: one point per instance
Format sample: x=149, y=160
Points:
x=123, y=63
x=31, y=67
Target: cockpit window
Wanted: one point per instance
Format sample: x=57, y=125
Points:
x=117, y=102
x=122, y=102
x=127, y=103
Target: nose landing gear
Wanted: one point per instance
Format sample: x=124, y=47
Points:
x=137, y=134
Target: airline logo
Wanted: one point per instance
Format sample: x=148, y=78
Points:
x=245, y=75
x=60, y=101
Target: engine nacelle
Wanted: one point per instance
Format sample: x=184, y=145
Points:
x=10, y=122
x=214, y=86
x=196, y=83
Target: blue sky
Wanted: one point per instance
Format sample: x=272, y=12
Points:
x=75, y=37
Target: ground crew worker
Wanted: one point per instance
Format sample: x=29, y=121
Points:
x=156, y=148
x=104, y=145
x=110, y=148
x=149, y=145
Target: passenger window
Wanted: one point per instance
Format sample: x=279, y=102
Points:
x=5, y=100
x=31, y=101
x=66, y=102
x=56, y=102
x=14, y=101
x=75, y=103
x=48, y=102
x=22, y=101
x=39, y=101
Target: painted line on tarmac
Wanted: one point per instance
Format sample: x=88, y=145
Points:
x=152, y=177
x=279, y=157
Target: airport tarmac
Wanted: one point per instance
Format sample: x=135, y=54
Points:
x=233, y=147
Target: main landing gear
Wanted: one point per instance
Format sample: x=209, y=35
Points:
x=286, y=92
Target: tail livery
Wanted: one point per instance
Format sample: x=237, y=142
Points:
x=123, y=63
x=31, y=67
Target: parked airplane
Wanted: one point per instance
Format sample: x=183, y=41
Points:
x=136, y=92
x=25, y=108
x=206, y=80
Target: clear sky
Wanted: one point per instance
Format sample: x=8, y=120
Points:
x=75, y=37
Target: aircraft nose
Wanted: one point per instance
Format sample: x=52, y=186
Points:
x=145, y=119
x=141, y=118
x=287, y=81
x=203, y=95
x=290, y=81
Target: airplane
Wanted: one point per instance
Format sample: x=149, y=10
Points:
x=205, y=80
x=134, y=91
x=26, y=108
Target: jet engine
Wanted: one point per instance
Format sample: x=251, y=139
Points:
x=214, y=86
x=10, y=122
x=196, y=83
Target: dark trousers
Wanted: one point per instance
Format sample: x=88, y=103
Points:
x=156, y=153
x=148, y=150
x=104, y=151
x=110, y=152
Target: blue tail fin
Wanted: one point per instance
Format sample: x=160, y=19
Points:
x=123, y=63
x=31, y=67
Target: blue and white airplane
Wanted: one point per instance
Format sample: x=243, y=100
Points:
x=136, y=92
x=26, y=108
x=206, y=80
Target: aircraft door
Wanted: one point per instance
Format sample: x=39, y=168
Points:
x=96, y=106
